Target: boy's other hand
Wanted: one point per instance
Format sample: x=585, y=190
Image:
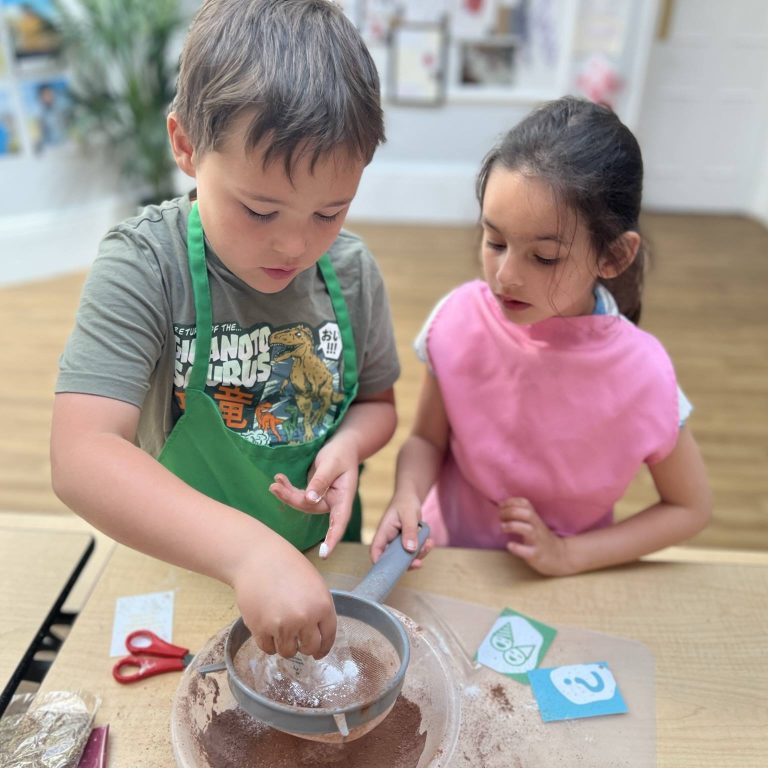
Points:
x=401, y=519
x=290, y=612
x=331, y=489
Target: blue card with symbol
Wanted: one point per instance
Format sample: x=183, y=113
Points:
x=576, y=690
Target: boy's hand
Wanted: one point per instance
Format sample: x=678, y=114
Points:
x=401, y=519
x=330, y=489
x=285, y=603
x=539, y=547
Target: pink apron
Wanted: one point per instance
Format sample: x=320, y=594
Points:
x=563, y=412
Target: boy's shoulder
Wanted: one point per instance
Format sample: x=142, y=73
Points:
x=348, y=245
x=154, y=238
x=163, y=220
x=351, y=257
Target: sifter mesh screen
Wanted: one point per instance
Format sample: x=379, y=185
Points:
x=356, y=671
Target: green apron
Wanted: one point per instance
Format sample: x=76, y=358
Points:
x=206, y=454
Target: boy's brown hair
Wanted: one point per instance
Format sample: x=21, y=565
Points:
x=299, y=67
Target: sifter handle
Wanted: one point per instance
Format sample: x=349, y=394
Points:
x=392, y=564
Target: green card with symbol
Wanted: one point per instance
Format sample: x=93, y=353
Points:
x=515, y=645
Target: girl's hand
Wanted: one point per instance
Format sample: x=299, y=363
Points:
x=543, y=550
x=330, y=489
x=401, y=519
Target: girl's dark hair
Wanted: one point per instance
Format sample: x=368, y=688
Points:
x=593, y=164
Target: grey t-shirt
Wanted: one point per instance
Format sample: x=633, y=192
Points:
x=135, y=330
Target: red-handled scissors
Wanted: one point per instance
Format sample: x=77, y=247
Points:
x=150, y=655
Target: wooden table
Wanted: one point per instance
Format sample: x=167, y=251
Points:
x=39, y=568
x=706, y=624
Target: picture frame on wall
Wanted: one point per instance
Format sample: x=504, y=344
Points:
x=35, y=37
x=376, y=18
x=10, y=139
x=49, y=112
x=488, y=63
x=418, y=63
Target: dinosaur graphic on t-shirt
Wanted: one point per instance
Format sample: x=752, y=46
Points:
x=311, y=380
x=267, y=420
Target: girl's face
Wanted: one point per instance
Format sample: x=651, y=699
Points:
x=537, y=256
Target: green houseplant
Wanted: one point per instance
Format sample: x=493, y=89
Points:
x=123, y=79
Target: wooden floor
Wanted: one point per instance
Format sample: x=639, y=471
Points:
x=706, y=300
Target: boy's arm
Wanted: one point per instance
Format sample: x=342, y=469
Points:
x=367, y=426
x=684, y=508
x=418, y=465
x=100, y=473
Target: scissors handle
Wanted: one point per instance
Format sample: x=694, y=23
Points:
x=133, y=668
x=145, y=641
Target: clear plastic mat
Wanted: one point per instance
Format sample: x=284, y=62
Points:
x=469, y=715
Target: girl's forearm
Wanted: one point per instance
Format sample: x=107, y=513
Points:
x=418, y=467
x=656, y=527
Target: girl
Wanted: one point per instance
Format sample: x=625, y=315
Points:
x=542, y=399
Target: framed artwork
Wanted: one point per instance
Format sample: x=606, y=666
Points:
x=472, y=19
x=10, y=141
x=488, y=63
x=48, y=108
x=34, y=36
x=418, y=58
x=376, y=19
x=427, y=10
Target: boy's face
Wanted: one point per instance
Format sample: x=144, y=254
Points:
x=265, y=227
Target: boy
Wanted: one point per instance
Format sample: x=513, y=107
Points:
x=214, y=334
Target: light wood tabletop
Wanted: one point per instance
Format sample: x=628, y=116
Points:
x=705, y=624
x=39, y=568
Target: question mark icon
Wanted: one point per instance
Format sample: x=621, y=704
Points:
x=595, y=687
x=584, y=683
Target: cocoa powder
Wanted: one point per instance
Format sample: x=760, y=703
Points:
x=233, y=739
x=500, y=697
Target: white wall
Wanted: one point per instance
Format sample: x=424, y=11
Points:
x=55, y=207
x=426, y=170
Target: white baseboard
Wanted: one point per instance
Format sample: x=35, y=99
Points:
x=43, y=244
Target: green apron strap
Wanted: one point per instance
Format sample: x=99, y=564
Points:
x=354, y=529
x=342, y=318
x=199, y=271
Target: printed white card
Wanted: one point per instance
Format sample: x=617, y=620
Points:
x=153, y=611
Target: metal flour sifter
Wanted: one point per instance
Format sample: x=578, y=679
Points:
x=357, y=690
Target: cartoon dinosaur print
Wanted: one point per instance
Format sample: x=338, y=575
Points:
x=267, y=420
x=311, y=379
